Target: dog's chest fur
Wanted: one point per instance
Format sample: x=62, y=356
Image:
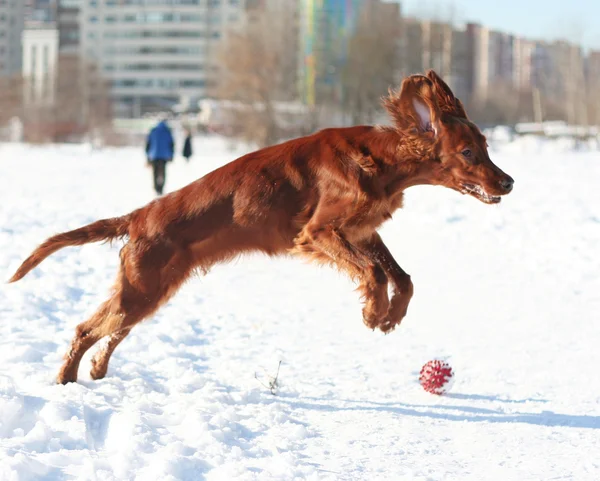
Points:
x=369, y=214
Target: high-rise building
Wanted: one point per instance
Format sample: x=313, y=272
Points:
x=503, y=61
x=438, y=46
x=154, y=53
x=50, y=38
x=40, y=58
x=479, y=53
x=66, y=15
x=523, y=63
x=326, y=26
x=387, y=17
x=428, y=46
x=414, y=46
x=63, y=13
x=592, y=70
x=460, y=64
x=12, y=19
x=492, y=60
x=39, y=10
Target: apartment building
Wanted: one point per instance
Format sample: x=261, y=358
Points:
x=154, y=52
x=66, y=15
x=428, y=45
x=592, y=68
x=460, y=65
x=325, y=28
x=492, y=60
x=439, y=46
x=50, y=37
x=63, y=13
x=39, y=10
x=40, y=59
x=503, y=65
x=523, y=64
x=479, y=54
x=12, y=18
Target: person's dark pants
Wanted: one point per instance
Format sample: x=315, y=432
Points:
x=160, y=174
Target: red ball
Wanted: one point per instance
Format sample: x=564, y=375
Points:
x=436, y=377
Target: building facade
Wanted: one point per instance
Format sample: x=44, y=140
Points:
x=592, y=68
x=154, y=52
x=325, y=28
x=12, y=19
x=523, y=64
x=39, y=10
x=66, y=14
x=40, y=58
x=437, y=46
x=460, y=65
x=63, y=13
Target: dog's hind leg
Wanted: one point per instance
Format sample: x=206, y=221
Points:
x=150, y=273
x=86, y=335
x=102, y=357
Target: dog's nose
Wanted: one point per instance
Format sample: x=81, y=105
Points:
x=507, y=184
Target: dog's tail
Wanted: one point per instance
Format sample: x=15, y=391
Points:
x=106, y=229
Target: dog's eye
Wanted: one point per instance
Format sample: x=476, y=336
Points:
x=466, y=152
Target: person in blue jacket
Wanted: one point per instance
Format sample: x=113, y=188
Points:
x=160, y=147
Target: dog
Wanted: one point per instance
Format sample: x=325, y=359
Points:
x=321, y=197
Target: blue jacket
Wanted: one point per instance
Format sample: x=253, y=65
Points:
x=160, y=144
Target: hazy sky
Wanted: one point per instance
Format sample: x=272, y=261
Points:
x=577, y=20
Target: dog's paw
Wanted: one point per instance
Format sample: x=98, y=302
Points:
x=388, y=325
x=372, y=319
x=66, y=377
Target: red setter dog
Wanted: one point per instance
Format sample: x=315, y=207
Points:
x=322, y=196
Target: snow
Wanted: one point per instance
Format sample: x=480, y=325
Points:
x=509, y=295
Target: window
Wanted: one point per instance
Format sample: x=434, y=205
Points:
x=165, y=67
x=155, y=34
x=154, y=50
x=158, y=83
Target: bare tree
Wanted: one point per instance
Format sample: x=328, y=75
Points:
x=11, y=98
x=256, y=73
x=80, y=104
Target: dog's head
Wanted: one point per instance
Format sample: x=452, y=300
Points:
x=426, y=110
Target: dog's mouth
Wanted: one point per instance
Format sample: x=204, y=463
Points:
x=479, y=193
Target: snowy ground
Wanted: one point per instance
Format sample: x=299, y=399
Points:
x=508, y=294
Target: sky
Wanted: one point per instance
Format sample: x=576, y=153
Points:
x=575, y=20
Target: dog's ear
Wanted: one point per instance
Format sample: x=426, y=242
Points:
x=446, y=100
x=414, y=107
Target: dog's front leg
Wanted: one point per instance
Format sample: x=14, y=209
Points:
x=377, y=252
